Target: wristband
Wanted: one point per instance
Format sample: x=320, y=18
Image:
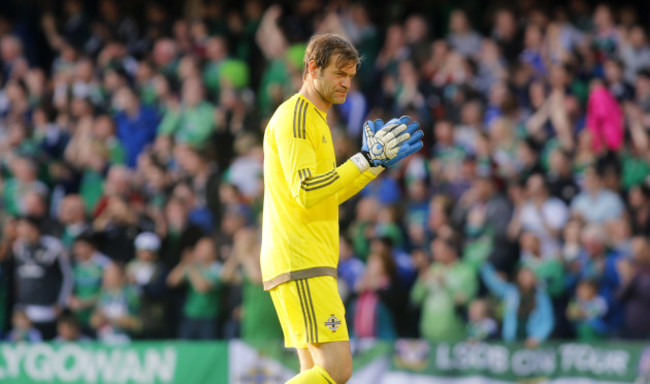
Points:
x=361, y=161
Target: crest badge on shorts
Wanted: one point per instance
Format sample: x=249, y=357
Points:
x=333, y=323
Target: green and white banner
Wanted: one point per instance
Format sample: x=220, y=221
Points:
x=405, y=361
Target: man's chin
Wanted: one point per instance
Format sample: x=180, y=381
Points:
x=339, y=99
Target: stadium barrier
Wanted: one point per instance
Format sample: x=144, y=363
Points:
x=404, y=361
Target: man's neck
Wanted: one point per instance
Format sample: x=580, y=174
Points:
x=309, y=91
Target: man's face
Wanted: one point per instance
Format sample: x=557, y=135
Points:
x=333, y=83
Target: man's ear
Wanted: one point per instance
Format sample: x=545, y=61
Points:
x=312, y=69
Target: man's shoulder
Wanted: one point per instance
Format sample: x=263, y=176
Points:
x=287, y=107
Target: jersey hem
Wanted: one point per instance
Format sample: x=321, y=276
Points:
x=296, y=275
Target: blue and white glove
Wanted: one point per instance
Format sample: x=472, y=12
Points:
x=382, y=143
x=408, y=147
x=412, y=145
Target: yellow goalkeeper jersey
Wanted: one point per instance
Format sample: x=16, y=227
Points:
x=303, y=188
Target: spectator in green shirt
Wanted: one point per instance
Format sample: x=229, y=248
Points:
x=115, y=318
x=24, y=180
x=193, y=121
x=442, y=289
x=200, y=270
x=88, y=269
x=259, y=324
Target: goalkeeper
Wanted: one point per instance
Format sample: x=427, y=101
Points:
x=303, y=188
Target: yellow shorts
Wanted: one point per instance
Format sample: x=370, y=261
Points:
x=310, y=311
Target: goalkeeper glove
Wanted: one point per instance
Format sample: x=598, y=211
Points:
x=383, y=143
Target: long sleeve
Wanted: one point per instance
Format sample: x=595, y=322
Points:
x=358, y=184
x=68, y=283
x=495, y=284
x=541, y=322
x=298, y=160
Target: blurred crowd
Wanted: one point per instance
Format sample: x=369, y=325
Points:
x=131, y=168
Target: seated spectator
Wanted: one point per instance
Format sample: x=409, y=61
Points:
x=443, y=291
x=23, y=330
x=587, y=312
x=148, y=275
x=596, y=204
x=69, y=330
x=480, y=324
x=115, y=317
x=201, y=272
x=88, y=269
x=528, y=311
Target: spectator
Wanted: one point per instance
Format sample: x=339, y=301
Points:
x=483, y=214
x=24, y=179
x=604, y=119
x=560, y=177
x=44, y=284
x=148, y=275
x=202, y=273
x=549, y=270
x=596, y=204
x=136, y=124
x=180, y=234
x=542, y=215
x=115, y=317
x=191, y=123
x=461, y=36
x=72, y=215
x=373, y=312
x=639, y=209
x=256, y=313
x=350, y=268
x=88, y=269
x=23, y=330
x=587, y=311
x=528, y=312
x=597, y=262
x=116, y=228
x=634, y=293
x=480, y=325
x=443, y=291
x=69, y=330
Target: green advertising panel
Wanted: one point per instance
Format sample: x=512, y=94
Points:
x=144, y=362
x=402, y=362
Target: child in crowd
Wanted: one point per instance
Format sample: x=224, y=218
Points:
x=587, y=311
x=68, y=330
x=115, y=317
x=480, y=325
x=22, y=329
